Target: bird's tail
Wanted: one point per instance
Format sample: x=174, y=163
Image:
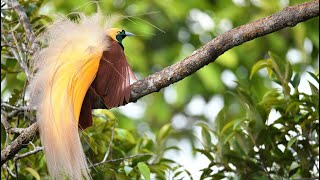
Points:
x=65, y=70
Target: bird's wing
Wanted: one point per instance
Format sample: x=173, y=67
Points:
x=112, y=82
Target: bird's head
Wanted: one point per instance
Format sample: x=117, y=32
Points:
x=118, y=34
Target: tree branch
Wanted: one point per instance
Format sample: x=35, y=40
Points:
x=34, y=151
x=23, y=139
x=9, y=171
x=208, y=53
x=121, y=159
x=288, y=17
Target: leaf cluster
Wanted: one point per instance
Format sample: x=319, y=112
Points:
x=262, y=144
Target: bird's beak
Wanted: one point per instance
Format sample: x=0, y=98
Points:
x=129, y=34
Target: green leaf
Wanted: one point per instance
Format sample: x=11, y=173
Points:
x=21, y=76
x=168, y=161
x=220, y=120
x=33, y=172
x=242, y=143
x=173, y=148
x=206, y=137
x=288, y=72
x=297, y=118
x=293, y=171
x=314, y=89
x=296, y=80
x=204, y=126
x=231, y=135
x=314, y=76
x=293, y=107
x=163, y=133
x=104, y=113
x=159, y=172
x=277, y=63
x=227, y=126
x=282, y=68
x=206, y=153
x=177, y=173
x=145, y=171
x=124, y=135
x=260, y=65
x=292, y=140
x=271, y=98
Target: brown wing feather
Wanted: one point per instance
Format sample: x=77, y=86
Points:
x=112, y=82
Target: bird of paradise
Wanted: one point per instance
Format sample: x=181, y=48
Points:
x=83, y=62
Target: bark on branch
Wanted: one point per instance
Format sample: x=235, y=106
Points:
x=288, y=17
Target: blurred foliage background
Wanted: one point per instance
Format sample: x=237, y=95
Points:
x=253, y=113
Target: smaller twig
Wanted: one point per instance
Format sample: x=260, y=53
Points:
x=9, y=170
x=17, y=46
x=6, y=9
x=34, y=146
x=15, y=112
x=15, y=109
x=121, y=159
x=13, y=50
x=23, y=48
x=6, y=126
x=9, y=57
x=7, y=45
x=17, y=53
x=5, y=123
x=22, y=60
x=34, y=151
x=3, y=104
x=109, y=146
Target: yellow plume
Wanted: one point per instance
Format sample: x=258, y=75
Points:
x=65, y=70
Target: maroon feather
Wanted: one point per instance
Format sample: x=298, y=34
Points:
x=85, y=119
x=111, y=84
